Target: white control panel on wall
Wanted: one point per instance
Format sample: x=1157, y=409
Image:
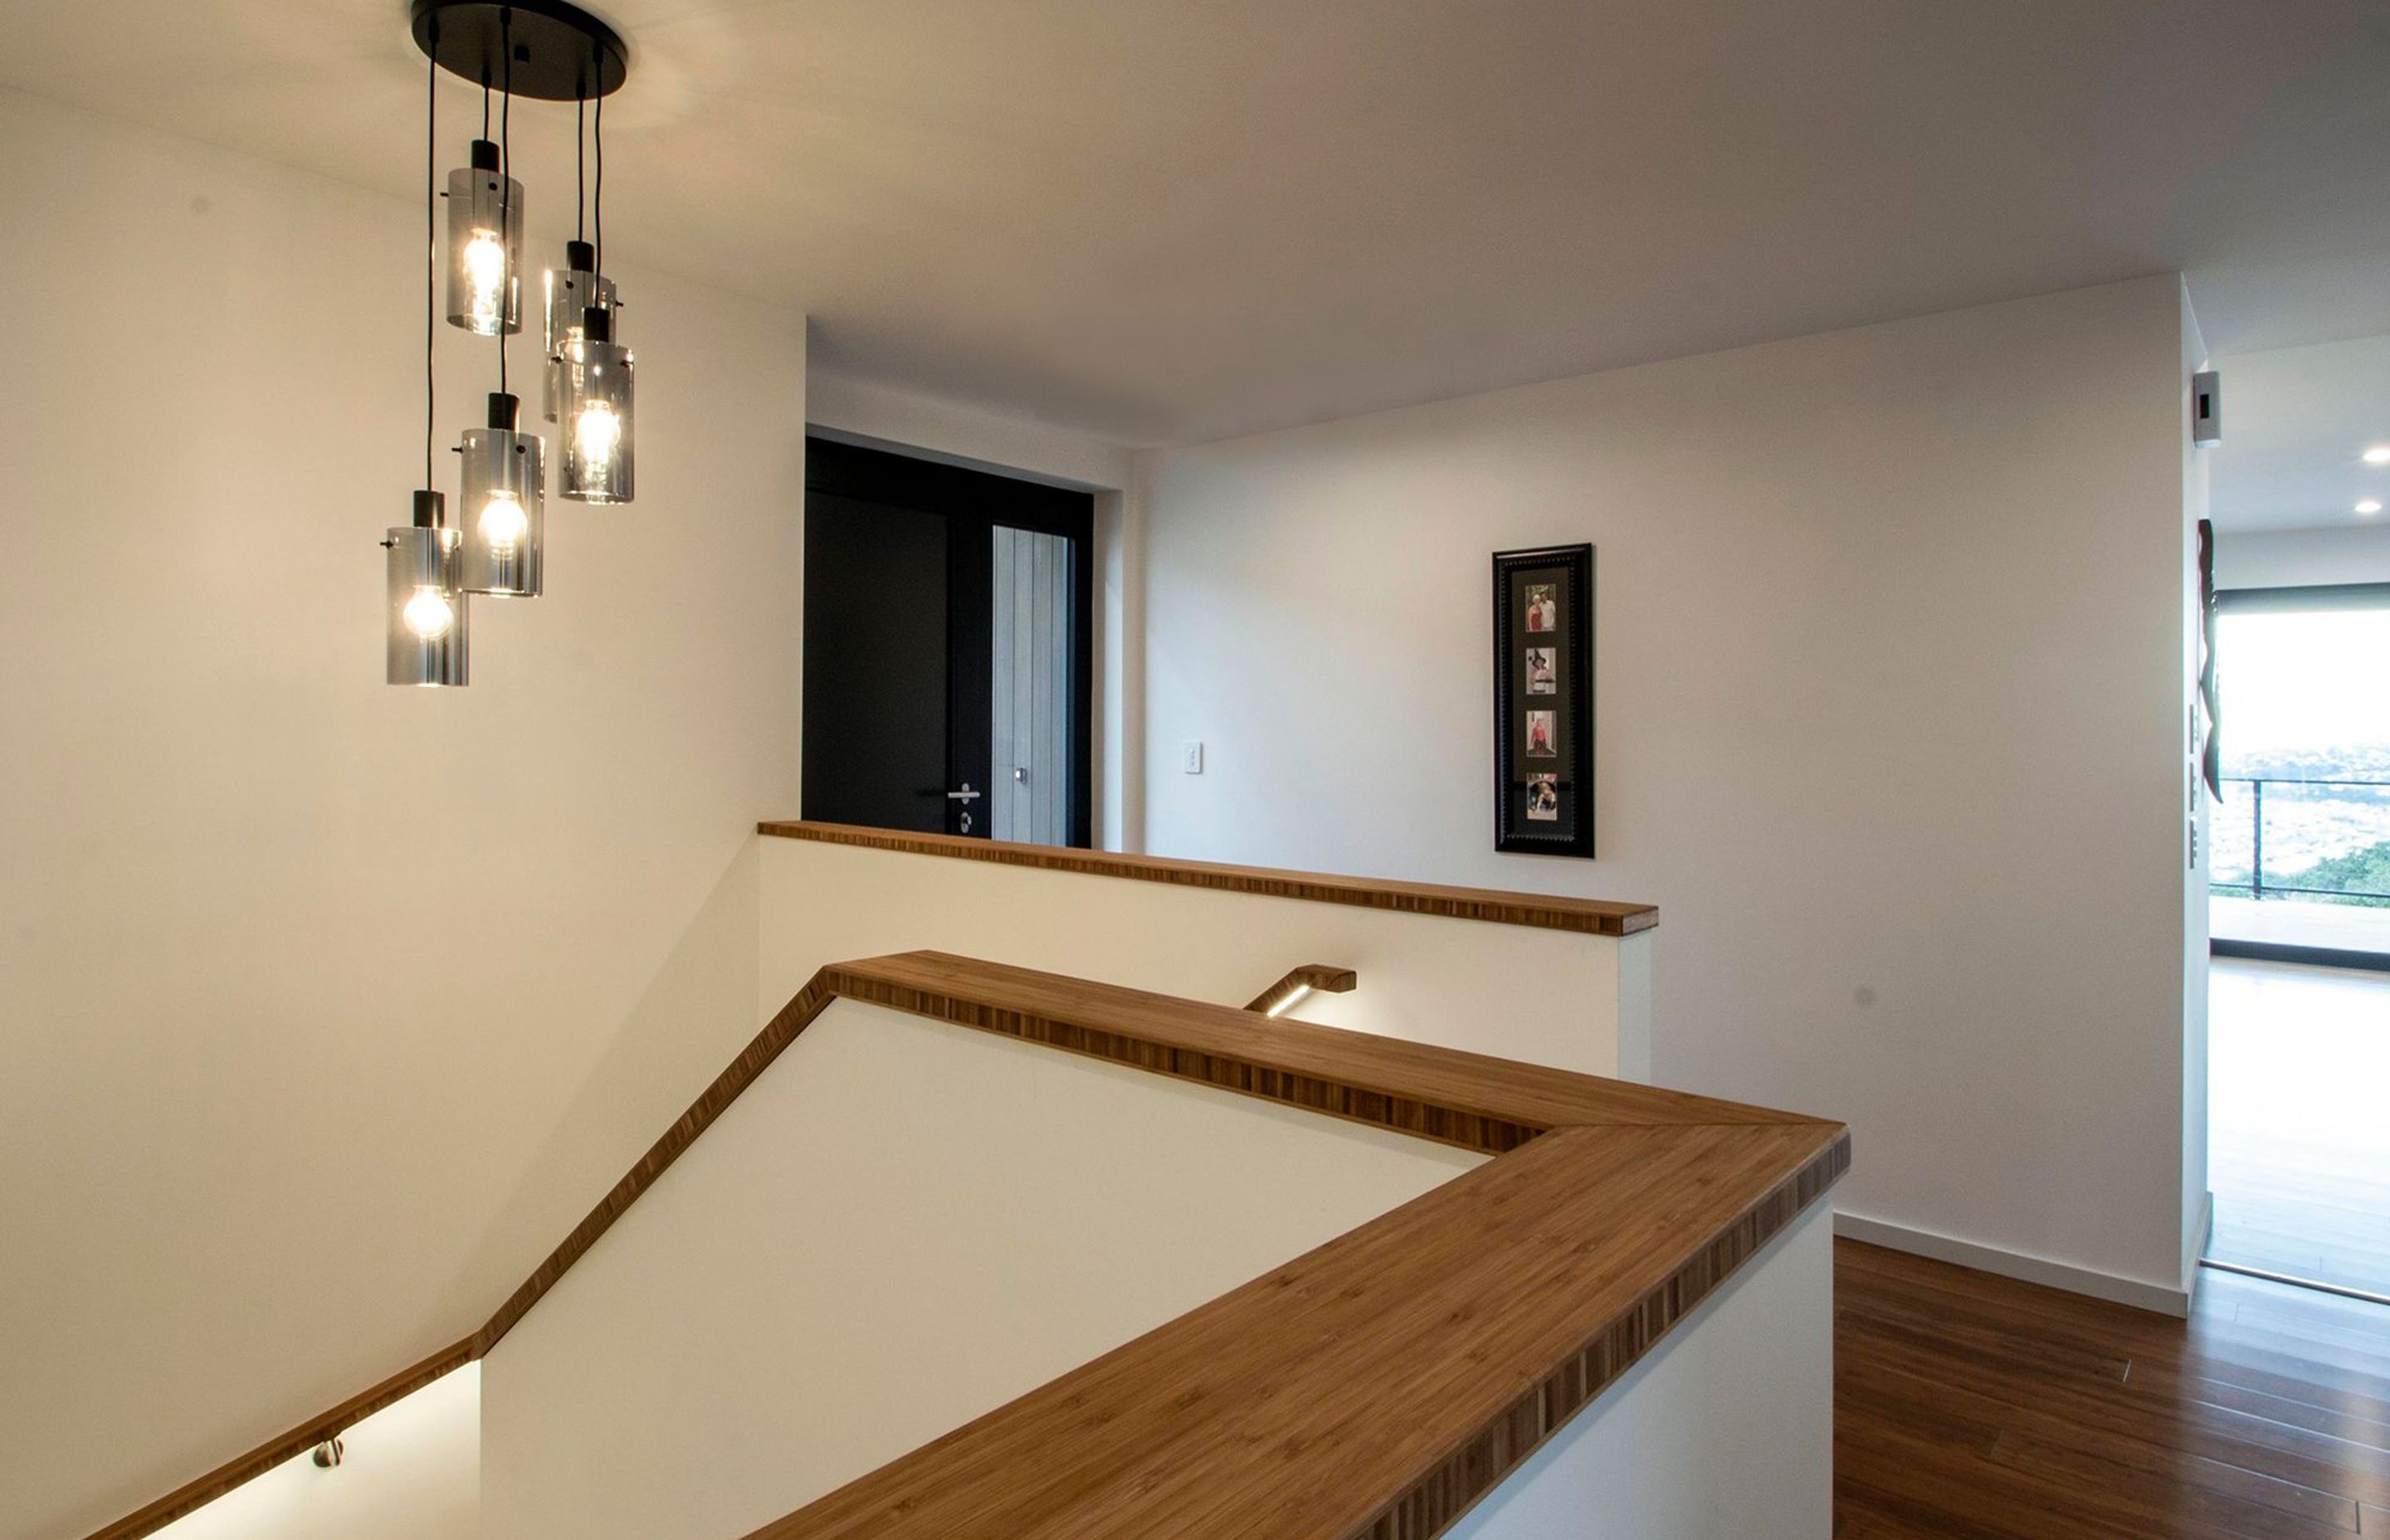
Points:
x=1191, y=759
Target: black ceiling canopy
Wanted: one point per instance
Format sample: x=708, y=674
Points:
x=561, y=53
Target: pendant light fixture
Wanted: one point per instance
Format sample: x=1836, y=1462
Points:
x=503, y=515
x=503, y=487
x=547, y=50
x=425, y=641
x=598, y=415
x=572, y=290
x=595, y=371
x=427, y=621
x=575, y=288
x=485, y=215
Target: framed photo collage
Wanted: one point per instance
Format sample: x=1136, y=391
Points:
x=1543, y=701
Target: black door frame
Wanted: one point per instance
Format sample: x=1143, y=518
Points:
x=2315, y=595
x=974, y=503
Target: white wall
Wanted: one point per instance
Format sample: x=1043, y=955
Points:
x=902, y=1225
x=1726, y=1429
x=1455, y=982
x=296, y=969
x=860, y=411
x=1890, y=676
x=2191, y=1060
x=411, y=1472
x=2296, y=559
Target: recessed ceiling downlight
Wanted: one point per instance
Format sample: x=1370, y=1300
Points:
x=2378, y=454
x=2370, y=505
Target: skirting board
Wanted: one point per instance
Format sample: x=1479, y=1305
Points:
x=2017, y=1264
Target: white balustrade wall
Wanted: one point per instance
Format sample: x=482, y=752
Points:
x=902, y=1225
x=1556, y=998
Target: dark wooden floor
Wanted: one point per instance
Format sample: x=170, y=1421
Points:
x=1973, y=1405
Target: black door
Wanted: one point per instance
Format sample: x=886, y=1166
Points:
x=912, y=721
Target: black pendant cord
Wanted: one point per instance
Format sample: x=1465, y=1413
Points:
x=511, y=300
x=580, y=167
x=430, y=241
x=598, y=204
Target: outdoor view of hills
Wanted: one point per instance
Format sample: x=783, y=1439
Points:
x=2303, y=703
x=2335, y=838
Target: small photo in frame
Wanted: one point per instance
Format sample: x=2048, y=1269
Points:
x=1543, y=701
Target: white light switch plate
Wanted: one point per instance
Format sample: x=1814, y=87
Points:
x=1194, y=757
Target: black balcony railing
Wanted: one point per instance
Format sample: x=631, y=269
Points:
x=2315, y=839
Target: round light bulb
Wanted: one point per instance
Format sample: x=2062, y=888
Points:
x=503, y=522
x=430, y=614
x=596, y=432
x=485, y=277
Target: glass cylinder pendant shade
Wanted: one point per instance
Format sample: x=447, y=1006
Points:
x=597, y=427
x=427, y=643
x=486, y=220
x=504, y=507
x=572, y=290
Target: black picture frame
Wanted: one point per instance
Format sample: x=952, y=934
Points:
x=1543, y=701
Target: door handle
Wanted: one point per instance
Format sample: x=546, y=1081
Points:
x=965, y=795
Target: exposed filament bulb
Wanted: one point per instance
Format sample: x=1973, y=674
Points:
x=430, y=614
x=485, y=279
x=503, y=522
x=597, y=432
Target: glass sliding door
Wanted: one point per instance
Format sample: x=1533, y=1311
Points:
x=2301, y=861
x=2298, y=1144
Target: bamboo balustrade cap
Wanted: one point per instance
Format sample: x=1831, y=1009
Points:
x=1374, y=1388
x=1592, y=917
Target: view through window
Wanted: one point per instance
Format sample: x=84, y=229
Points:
x=2305, y=718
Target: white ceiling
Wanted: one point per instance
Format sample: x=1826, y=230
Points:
x=1166, y=221
x=2297, y=422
